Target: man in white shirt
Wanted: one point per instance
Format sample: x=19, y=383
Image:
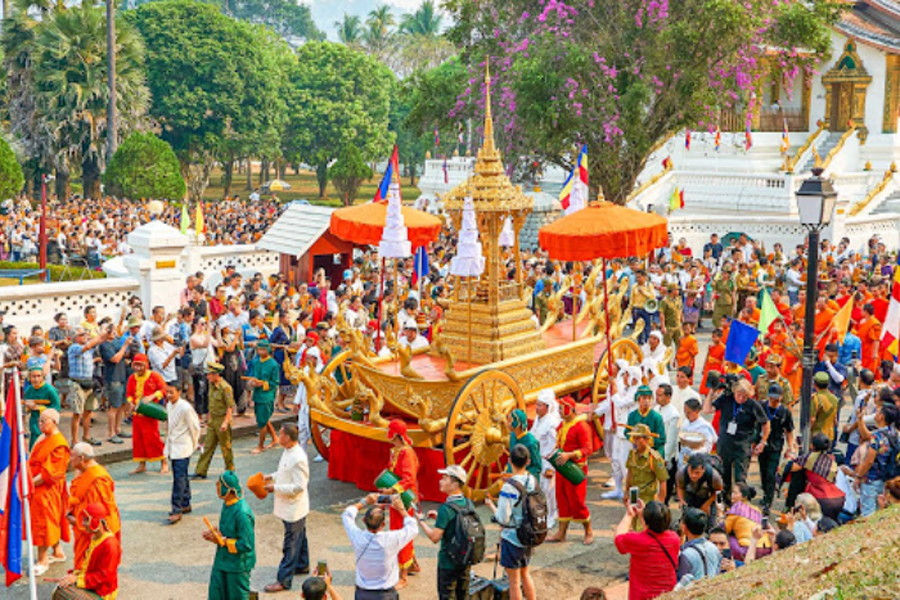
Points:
x=289, y=484
x=682, y=391
x=694, y=423
x=162, y=356
x=671, y=421
x=377, y=569
x=181, y=440
x=412, y=338
x=235, y=318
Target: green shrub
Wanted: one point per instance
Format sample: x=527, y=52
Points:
x=56, y=271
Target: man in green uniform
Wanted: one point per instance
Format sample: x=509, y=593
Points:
x=773, y=376
x=264, y=379
x=756, y=371
x=824, y=408
x=670, y=312
x=723, y=287
x=519, y=435
x=218, y=429
x=646, y=467
x=236, y=541
x=39, y=396
x=645, y=415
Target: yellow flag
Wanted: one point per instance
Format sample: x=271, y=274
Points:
x=199, y=225
x=841, y=320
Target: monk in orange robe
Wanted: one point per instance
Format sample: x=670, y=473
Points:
x=714, y=357
x=92, y=485
x=792, y=367
x=47, y=465
x=869, y=332
x=824, y=317
x=405, y=465
x=687, y=348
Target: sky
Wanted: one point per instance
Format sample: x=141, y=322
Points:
x=326, y=12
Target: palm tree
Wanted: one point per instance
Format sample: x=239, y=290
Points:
x=425, y=21
x=378, y=32
x=71, y=92
x=349, y=30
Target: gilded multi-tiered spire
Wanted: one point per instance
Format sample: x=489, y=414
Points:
x=501, y=325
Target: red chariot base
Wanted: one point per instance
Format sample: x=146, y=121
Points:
x=360, y=461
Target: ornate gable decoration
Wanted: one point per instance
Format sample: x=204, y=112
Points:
x=849, y=68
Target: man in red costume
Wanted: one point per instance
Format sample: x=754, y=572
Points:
x=47, y=464
x=405, y=465
x=100, y=572
x=92, y=485
x=145, y=386
x=575, y=442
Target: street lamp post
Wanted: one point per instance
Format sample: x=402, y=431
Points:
x=42, y=234
x=815, y=203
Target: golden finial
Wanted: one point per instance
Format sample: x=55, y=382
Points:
x=868, y=166
x=893, y=167
x=786, y=167
x=488, y=119
x=818, y=158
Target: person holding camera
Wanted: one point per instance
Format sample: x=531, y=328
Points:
x=376, y=550
x=740, y=418
x=654, y=549
x=453, y=578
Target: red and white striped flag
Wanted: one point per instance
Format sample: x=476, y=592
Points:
x=890, y=329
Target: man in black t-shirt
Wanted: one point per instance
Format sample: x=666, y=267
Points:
x=781, y=436
x=740, y=417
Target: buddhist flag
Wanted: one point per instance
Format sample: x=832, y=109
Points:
x=841, y=321
x=687, y=140
x=667, y=163
x=676, y=200
x=718, y=138
x=768, y=313
x=741, y=338
x=437, y=137
x=785, y=141
x=574, y=193
x=185, y=218
x=748, y=138
x=890, y=330
x=199, y=225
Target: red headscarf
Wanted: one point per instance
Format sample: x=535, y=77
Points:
x=568, y=405
x=397, y=427
x=96, y=512
x=141, y=358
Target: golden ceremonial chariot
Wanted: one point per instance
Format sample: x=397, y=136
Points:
x=487, y=356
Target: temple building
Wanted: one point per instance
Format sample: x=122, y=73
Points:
x=845, y=116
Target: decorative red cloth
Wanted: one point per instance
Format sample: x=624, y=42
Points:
x=147, y=444
x=360, y=461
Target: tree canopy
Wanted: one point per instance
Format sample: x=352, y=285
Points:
x=337, y=96
x=621, y=75
x=144, y=166
x=11, y=178
x=349, y=172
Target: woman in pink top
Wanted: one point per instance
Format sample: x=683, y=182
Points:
x=654, y=551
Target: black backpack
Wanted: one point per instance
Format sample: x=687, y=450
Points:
x=892, y=469
x=532, y=530
x=466, y=545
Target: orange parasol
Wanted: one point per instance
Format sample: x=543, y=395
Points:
x=362, y=224
x=603, y=230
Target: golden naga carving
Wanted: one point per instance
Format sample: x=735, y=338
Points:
x=438, y=348
x=555, y=305
x=376, y=403
x=424, y=407
x=311, y=382
x=405, y=354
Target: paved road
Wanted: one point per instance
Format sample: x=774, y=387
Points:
x=173, y=562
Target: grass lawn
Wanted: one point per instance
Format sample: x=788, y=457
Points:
x=303, y=186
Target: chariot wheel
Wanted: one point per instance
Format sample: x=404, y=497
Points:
x=321, y=437
x=476, y=436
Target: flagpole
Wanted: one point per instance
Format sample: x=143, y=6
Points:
x=380, y=308
x=25, y=486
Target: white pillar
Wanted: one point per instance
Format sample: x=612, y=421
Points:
x=157, y=264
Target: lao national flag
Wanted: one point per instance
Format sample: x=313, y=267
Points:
x=748, y=138
x=718, y=138
x=687, y=140
x=741, y=338
x=394, y=165
x=421, y=267
x=12, y=521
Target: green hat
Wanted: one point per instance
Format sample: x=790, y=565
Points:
x=215, y=367
x=35, y=369
x=229, y=480
x=263, y=344
x=752, y=356
x=644, y=390
x=519, y=418
x=822, y=378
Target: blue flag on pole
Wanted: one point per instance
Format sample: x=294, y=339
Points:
x=740, y=341
x=422, y=268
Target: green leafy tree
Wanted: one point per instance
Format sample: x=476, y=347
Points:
x=216, y=83
x=11, y=177
x=621, y=75
x=145, y=166
x=349, y=172
x=286, y=17
x=337, y=97
x=349, y=30
x=425, y=22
